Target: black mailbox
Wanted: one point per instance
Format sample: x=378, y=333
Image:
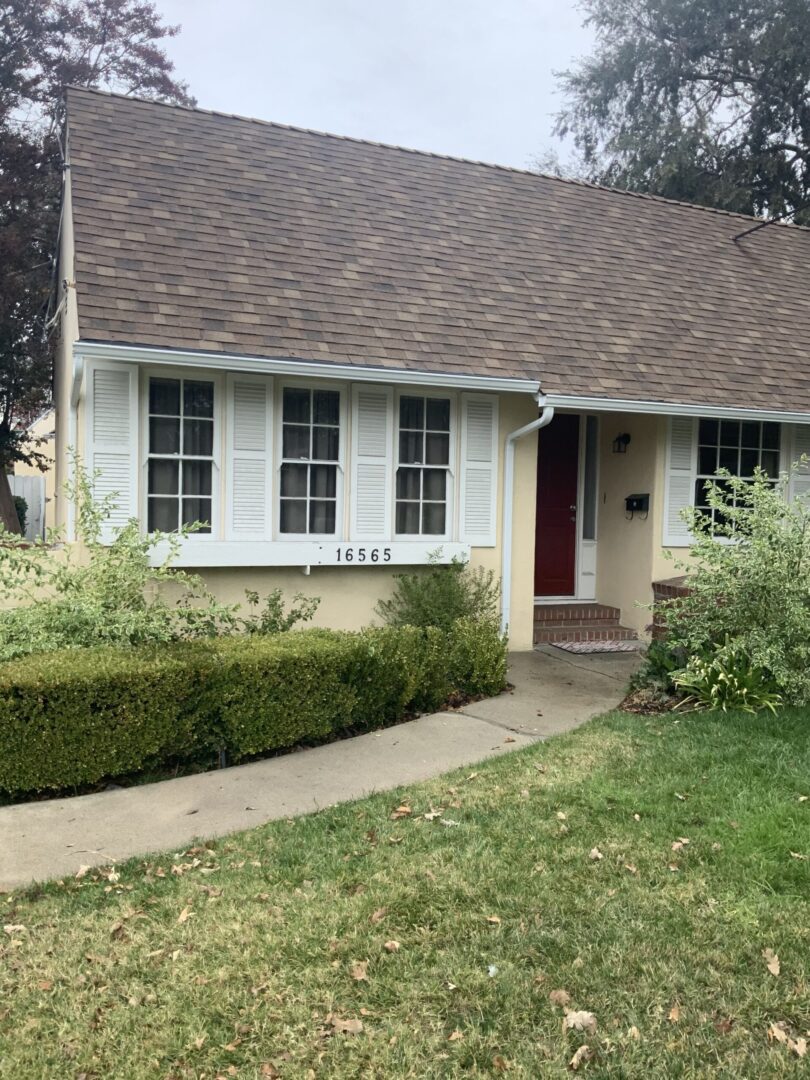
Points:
x=637, y=504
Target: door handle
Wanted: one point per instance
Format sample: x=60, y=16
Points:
x=572, y=507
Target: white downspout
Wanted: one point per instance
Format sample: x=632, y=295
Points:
x=545, y=417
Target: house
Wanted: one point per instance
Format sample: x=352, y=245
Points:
x=344, y=356
x=35, y=485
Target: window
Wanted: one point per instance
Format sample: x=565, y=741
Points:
x=740, y=446
x=310, y=437
x=181, y=453
x=423, y=466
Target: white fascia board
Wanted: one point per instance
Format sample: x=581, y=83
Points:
x=306, y=368
x=663, y=408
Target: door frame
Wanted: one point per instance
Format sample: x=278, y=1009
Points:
x=586, y=550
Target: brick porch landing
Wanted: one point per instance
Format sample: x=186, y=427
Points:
x=580, y=623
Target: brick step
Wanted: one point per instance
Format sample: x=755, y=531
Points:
x=550, y=632
x=578, y=613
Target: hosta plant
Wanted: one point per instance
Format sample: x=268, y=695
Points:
x=726, y=680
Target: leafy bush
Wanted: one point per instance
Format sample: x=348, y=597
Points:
x=660, y=663
x=750, y=584
x=441, y=594
x=73, y=717
x=21, y=506
x=102, y=593
x=726, y=680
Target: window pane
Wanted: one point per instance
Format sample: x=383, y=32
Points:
x=294, y=480
x=438, y=414
x=196, y=477
x=198, y=398
x=322, y=481
x=163, y=514
x=321, y=516
x=437, y=449
x=164, y=396
x=749, y=459
x=325, y=443
x=433, y=519
x=708, y=431
x=707, y=460
x=434, y=484
x=326, y=407
x=410, y=447
x=197, y=510
x=751, y=434
x=408, y=518
x=729, y=459
x=198, y=437
x=700, y=493
x=296, y=405
x=164, y=435
x=411, y=412
x=408, y=483
x=293, y=516
x=770, y=462
x=730, y=433
x=770, y=436
x=295, y=442
x=164, y=477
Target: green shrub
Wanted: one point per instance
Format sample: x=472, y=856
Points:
x=750, y=583
x=73, y=717
x=726, y=680
x=661, y=661
x=21, y=506
x=441, y=594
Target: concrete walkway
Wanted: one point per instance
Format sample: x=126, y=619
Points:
x=553, y=692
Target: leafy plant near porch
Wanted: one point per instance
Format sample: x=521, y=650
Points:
x=94, y=593
x=441, y=594
x=746, y=621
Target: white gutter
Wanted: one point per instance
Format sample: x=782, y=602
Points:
x=663, y=408
x=545, y=417
x=294, y=366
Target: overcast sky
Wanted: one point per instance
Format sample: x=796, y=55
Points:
x=472, y=78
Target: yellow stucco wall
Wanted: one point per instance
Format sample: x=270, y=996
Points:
x=43, y=429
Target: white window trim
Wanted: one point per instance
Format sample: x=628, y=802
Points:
x=451, y=524
x=278, y=459
x=217, y=378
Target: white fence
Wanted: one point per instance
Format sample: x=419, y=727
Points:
x=32, y=489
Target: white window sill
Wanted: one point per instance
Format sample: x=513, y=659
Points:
x=214, y=553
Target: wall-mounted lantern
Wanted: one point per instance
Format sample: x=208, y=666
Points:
x=620, y=443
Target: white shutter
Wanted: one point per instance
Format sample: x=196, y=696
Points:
x=249, y=467
x=372, y=462
x=112, y=440
x=799, y=446
x=479, y=469
x=681, y=473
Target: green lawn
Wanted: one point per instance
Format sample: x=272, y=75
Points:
x=362, y=942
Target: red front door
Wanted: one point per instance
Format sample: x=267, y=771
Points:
x=555, y=542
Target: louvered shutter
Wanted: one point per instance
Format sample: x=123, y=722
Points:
x=479, y=469
x=372, y=462
x=799, y=446
x=112, y=440
x=249, y=468
x=680, y=479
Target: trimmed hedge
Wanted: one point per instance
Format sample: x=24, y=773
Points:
x=74, y=717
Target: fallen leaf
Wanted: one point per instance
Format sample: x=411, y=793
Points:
x=804, y=798
x=674, y=1014
x=561, y=816
x=360, y=970
x=231, y=1046
x=81, y=872
x=681, y=798
x=581, y=1020
x=494, y=919
x=454, y=1036
x=631, y=868
x=798, y=1046
x=724, y=1025
x=401, y=811
x=778, y=1032
x=379, y=915
x=797, y=855
x=391, y=946
x=499, y=1063
x=636, y=817
x=581, y=1056
x=14, y=928
x=347, y=1027
x=771, y=961
x=433, y=814
x=45, y=984
x=200, y=1043
x=595, y=854
x=269, y=1070
x=633, y=1032
x=673, y=867
x=560, y=997
x=184, y=915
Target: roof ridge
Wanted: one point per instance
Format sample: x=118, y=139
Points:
x=572, y=181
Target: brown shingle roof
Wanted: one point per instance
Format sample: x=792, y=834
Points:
x=198, y=230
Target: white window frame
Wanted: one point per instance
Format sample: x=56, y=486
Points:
x=189, y=375
x=278, y=459
x=451, y=526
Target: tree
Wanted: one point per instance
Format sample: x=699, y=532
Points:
x=707, y=101
x=46, y=45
